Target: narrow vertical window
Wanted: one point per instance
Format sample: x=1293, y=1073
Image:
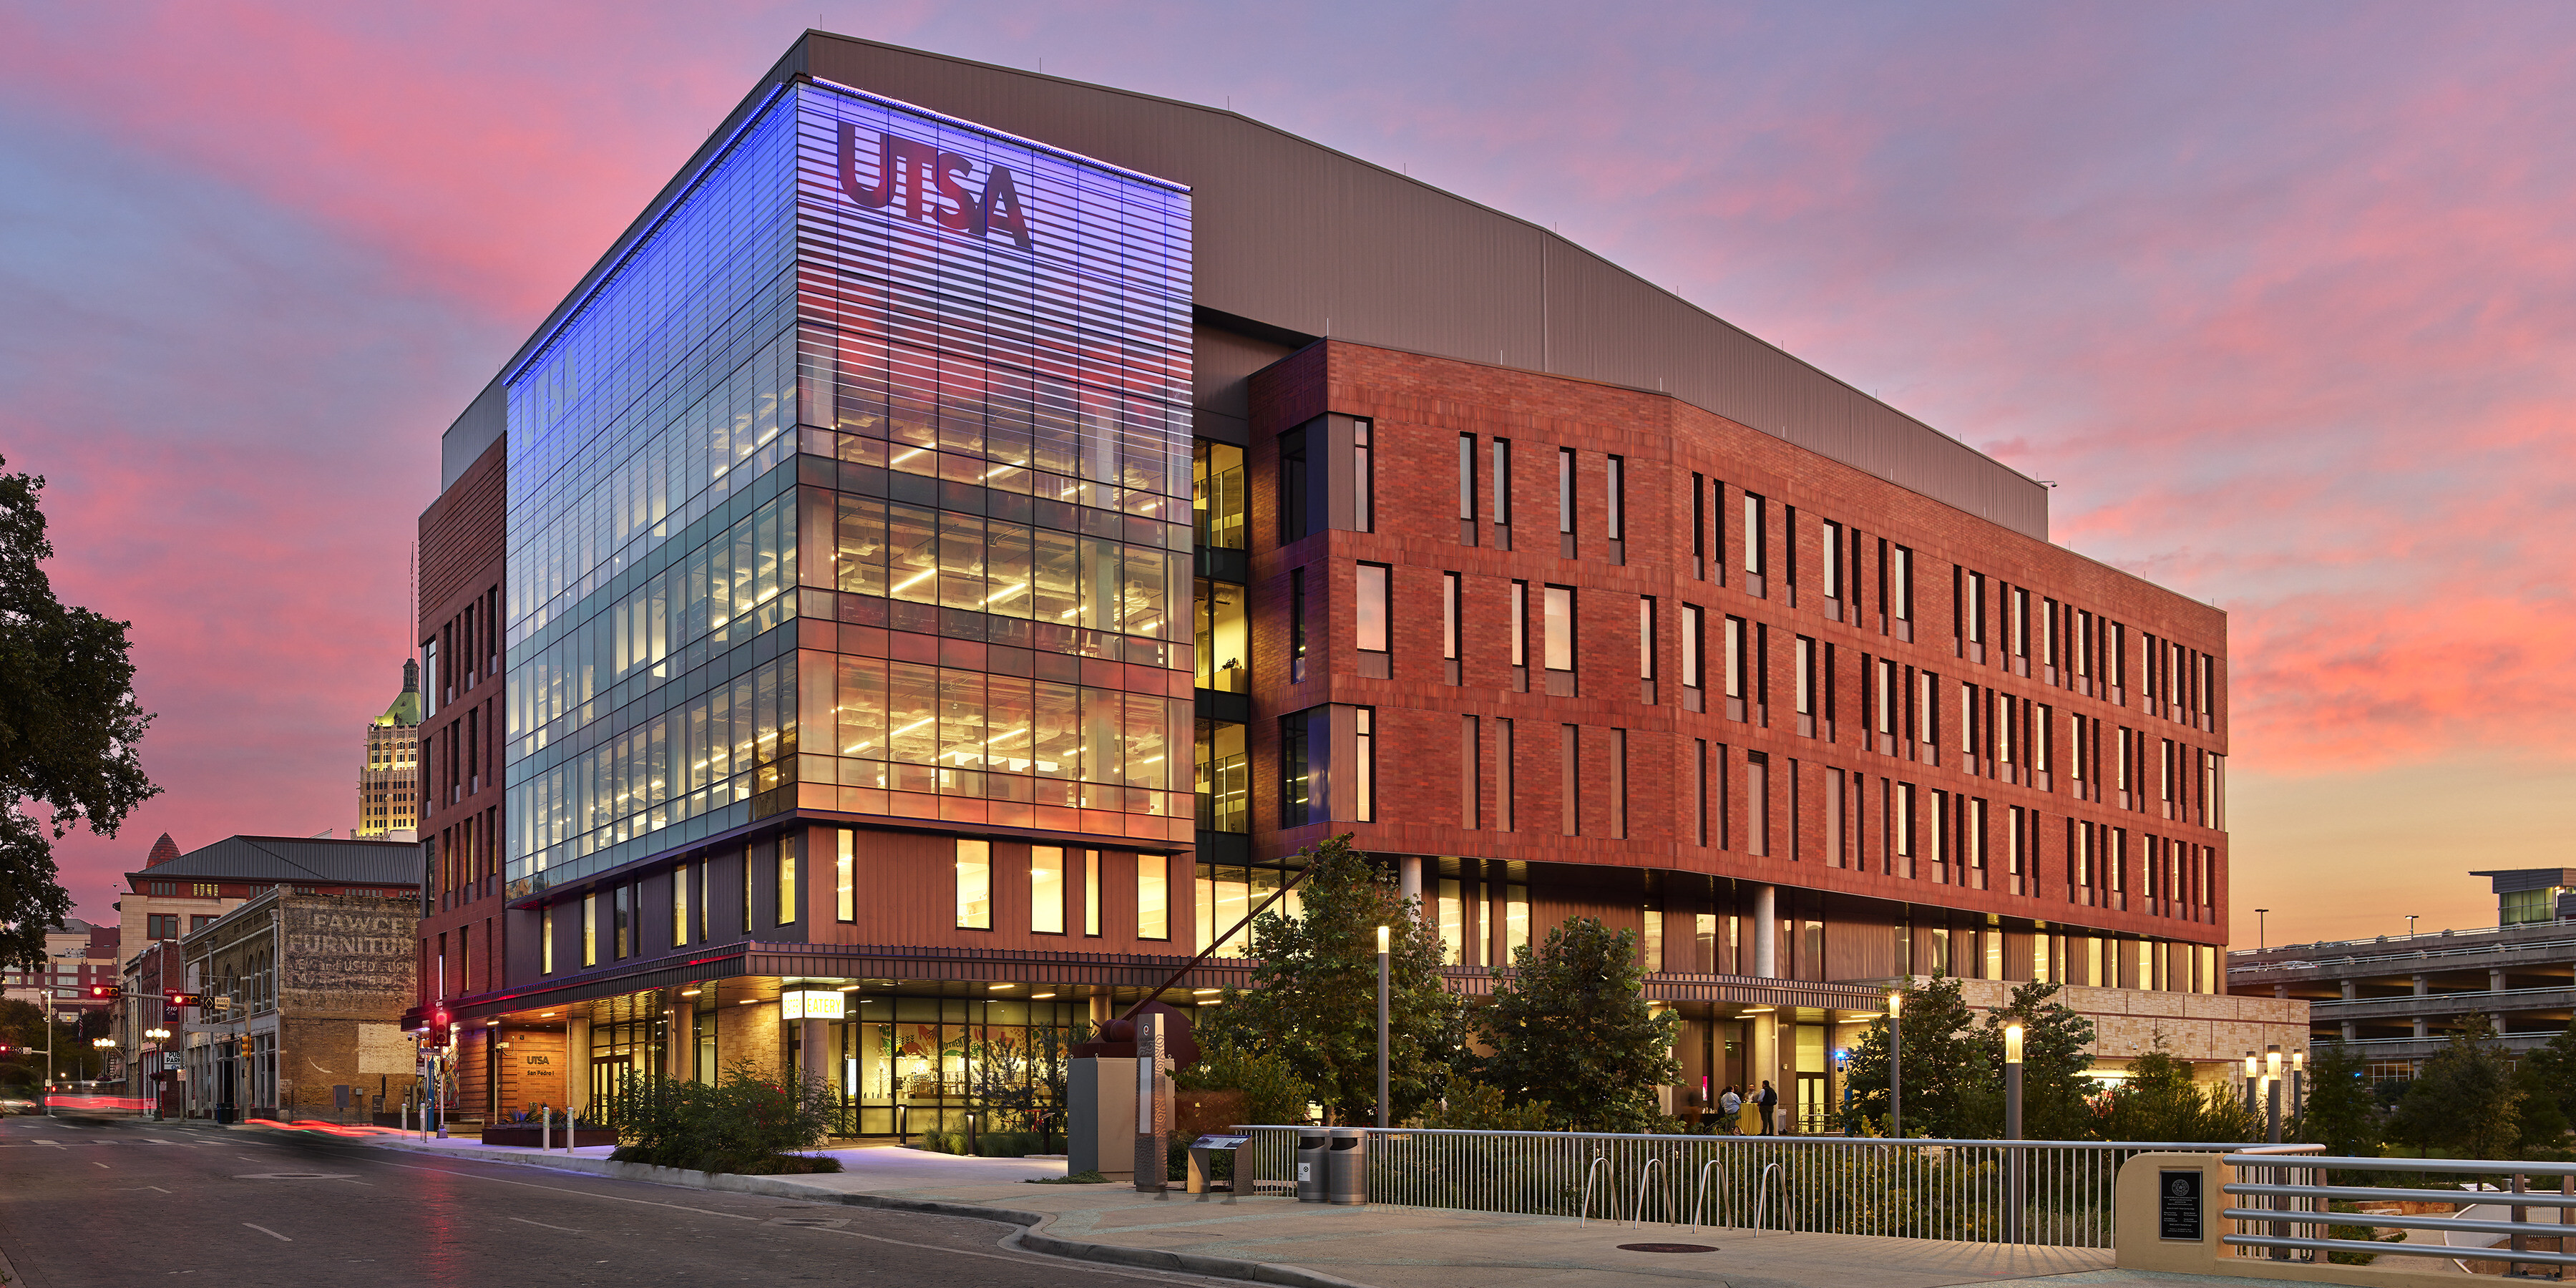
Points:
x=974, y=885
x=845, y=875
x=1296, y=626
x=1699, y=790
x=1565, y=490
x=1520, y=636
x=1466, y=489
x=1616, y=501
x=1804, y=665
x=1829, y=556
x=1364, y=771
x=1153, y=897
x=1733, y=667
x=1506, y=802
x=545, y=939
x=1619, y=783
x=1372, y=612
x=624, y=943
x=1470, y=762
x=1897, y=599
x=1559, y=641
x=1757, y=803
x=590, y=930
x=1046, y=889
x=1516, y=918
x=1646, y=647
x=1091, y=893
x=1452, y=664
x=1569, y=779
x=1297, y=806
x=788, y=909
x=1694, y=679
x=680, y=906
x=1363, y=480
x=1502, y=485
x=1699, y=527
x=1754, y=540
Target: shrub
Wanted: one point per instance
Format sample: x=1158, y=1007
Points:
x=1272, y=1091
x=743, y=1123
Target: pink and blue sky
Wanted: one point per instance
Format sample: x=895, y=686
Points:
x=2284, y=296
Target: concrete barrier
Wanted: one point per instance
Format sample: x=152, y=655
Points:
x=2144, y=1207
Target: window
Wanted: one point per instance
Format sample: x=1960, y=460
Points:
x=1046, y=889
x=680, y=906
x=1805, y=664
x=1619, y=783
x=1451, y=662
x=1297, y=806
x=1153, y=897
x=1757, y=803
x=788, y=911
x=1516, y=918
x=625, y=913
x=1503, y=485
x=1692, y=677
x=1616, y=497
x=1560, y=628
x=1830, y=556
x=1569, y=779
x=1754, y=526
x=1565, y=490
x=163, y=925
x=1296, y=626
x=200, y=921
x=1364, y=772
x=1699, y=527
x=845, y=873
x=1470, y=780
x=1363, y=480
x=1646, y=642
x=1295, y=499
x=1520, y=635
x=1216, y=494
x=1091, y=892
x=590, y=930
x=1467, y=489
x=546, y=939
x=1506, y=807
x=1221, y=636
x=1374, y=608
x=1733, y=664
x=974, y=885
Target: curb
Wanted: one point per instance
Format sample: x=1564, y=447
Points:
x=1029, y=1237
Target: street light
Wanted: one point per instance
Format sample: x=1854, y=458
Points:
x=2272, y=1088
x=1895, y=1067
x=2251, y=1085
x=2262, y=940
x=1381, y=1026
x=2012, y=1133
x=2298, y=1084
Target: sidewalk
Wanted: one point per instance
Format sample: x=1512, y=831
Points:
x=1282, y=1241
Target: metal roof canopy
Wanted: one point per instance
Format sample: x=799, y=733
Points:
x=296, y=861
x=1293, y=237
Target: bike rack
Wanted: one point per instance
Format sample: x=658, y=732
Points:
x=1762, y=1193
x=1699, y=1193
x=1644, y=1175
x=1610, y=1196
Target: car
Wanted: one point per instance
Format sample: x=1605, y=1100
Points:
x=19, y=1105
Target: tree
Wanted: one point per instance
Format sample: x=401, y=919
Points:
x=2056, y=1097
x=2465, y=1100
x=1314, y=996
x=2340, y=1113
x=1951, y=1087
x=2159, y=1101
x=1272, y=1092
x=1570, y=1027
x=68, y=726
x=2547, y=1078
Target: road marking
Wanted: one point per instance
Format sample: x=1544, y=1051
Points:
x=565, y=1228
x=102, y=1165
x=270, y=1233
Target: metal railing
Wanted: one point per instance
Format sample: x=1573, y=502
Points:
x=1913, y=1189
x=2285, y=1210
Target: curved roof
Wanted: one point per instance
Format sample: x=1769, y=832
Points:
x=1293, y=240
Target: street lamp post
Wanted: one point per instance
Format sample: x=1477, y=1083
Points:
x=1381, y=1025
x=1895, y=1066
x=2299, y=1085
x=2012, y=1133
x=2253, y=1087
x=158, y=1037
x=2262, y=938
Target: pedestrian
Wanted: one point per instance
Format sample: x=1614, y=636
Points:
x=1748, y=1119
x=1728, y=1106
x=1767, y=1099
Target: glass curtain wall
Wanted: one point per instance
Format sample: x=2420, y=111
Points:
x=914, y=1064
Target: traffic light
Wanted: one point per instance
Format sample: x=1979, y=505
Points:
x=442, y=1028
x=174, y=997
x=106, y=992
x=4, y=1048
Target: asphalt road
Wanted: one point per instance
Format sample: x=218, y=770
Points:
x=107, y=1206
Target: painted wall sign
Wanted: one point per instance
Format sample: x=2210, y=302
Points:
x=920, y=182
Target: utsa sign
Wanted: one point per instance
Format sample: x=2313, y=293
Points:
x=921, y=182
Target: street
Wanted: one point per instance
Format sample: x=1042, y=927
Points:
x=103, y=1206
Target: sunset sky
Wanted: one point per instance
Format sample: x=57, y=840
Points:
x=2282, y=296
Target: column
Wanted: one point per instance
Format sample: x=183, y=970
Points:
x=2351, y=989
x=2495, y=981
x=1409, y=881
x=2351, y=1031
x=576, y=1092
x=1766, y=935
x=2423, y=987
x=680, y=1048
x=814, y=1049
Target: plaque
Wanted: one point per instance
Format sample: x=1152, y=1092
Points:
x=2178, y=1206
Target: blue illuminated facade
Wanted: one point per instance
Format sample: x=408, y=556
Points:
x=858, y=490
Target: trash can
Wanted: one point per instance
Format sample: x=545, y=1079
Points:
x=1346, y=1166
x=1310, y=1166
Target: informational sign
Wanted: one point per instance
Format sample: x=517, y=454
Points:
x=2178, y=1206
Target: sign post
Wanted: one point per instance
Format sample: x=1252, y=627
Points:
x=1153, y=1101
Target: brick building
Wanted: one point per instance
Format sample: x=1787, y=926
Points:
x=811, y=582
x=304, y=994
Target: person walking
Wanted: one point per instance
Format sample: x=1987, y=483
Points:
x=1767, y=1099
x=1729, y=1105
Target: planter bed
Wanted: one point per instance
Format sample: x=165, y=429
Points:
x=528, y=1137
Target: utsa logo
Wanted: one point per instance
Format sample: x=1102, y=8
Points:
x=921, y=182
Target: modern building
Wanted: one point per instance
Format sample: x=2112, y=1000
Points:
x=389, y=781
x=177, y=894
x=78, y=957
x=301, y=1012
x=803, y=622
x=2397, y=999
